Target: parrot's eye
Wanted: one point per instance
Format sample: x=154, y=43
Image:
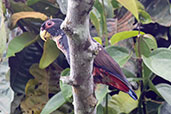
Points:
x=49, y=24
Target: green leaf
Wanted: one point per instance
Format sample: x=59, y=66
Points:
x=131, y=5
x=31, y=2
x=165, y=91
x=164, y=108
x=54, y=103
x=122, y=103
x=50, y=53
x=100, y=92
x=159, y=62
x=65, y=72
x=144, y=17
x=98, y=39
x=153, y=88
x=146, y=43
x=102, y=19
x=119, y=54
x=124, y=35
x=100, y=109
x=95, y=19
x=65, y=88
x=20, y=42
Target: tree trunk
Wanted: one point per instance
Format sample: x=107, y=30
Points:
x=82, y=54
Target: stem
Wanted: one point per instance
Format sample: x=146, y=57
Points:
x=105, y=25
x=140, y=69
x=107, y=103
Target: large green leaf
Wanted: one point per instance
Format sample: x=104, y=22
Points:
x=122, y=103
x=165, y=91
x=164, y=108
x=119, y=54
x=137, y=9
x=54, y=103
x=124, y=35
x=50, y=53
x=145, y=44
x=131, y=5
x=20, y=42
x=100, y=92
x=159, y=62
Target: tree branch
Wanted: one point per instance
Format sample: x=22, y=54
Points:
x=82, y=54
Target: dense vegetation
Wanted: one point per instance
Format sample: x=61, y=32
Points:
x=136, y=34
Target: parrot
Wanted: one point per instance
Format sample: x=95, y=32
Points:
x=105, y=69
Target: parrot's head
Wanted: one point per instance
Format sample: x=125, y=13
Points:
x=50, y=30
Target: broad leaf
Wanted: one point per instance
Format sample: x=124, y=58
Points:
x=50, y=53
x=21, y=15
x=124, y=35
x=98, y=39
x=122, y=103
x=131, y=5
x=146, y=43
x=153, y=88
x=165, y=91
x=164, y=108
x=20, y=42
x=159, y=62
x=137, y=9
x=100, y=92
x=144, y=17
x=54, y=103
x=119, y=54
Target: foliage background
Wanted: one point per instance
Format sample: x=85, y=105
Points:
x=35, y=66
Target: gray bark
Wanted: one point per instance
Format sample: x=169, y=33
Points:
x=82, y=54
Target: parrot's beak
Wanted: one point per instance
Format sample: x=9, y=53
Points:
x=45, y=35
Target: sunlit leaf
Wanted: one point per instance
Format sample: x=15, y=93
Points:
x=122, y=103
x=21, y=15
x=98, y=39
x=165, y=91
x=65, y=72
x=54, y=103
x=119, y=54
x=131, y=5
x=124, y=35
x=159, y=62
x=20, y=42
x=50, y=53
